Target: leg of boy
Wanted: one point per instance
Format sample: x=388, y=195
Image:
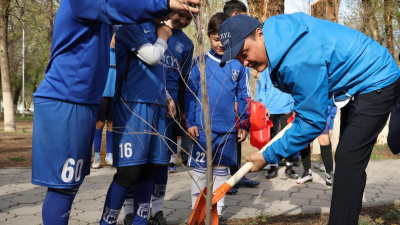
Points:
x=361, y=122
x=61, y=154
x=131, y=152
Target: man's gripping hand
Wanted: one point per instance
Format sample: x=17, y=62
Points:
x=258, y=161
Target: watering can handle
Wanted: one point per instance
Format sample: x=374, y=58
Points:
x=247, y=167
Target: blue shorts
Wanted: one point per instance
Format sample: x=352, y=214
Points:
x=172, y=146
x=62, y=143
x=135, y=138
x=223, y=146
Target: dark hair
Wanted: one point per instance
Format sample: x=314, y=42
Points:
x=215, y=22
x=234, y=6
x=252, y=35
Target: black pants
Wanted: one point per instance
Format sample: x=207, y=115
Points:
x=361, y=122
x=277, y=119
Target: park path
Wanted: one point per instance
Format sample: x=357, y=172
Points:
x=21, y=202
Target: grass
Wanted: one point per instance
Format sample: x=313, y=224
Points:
x=376, y=157
x=16, y=158
x=24, y=118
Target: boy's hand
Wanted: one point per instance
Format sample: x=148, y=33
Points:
x=190, y=5
x=267, y=113
x=242, y=134
x=193, y=133
x=171, y=108
x=164, y=32
x=258, y=161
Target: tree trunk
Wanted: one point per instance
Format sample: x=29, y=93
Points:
x=387, y=11
x=9, y=116
x=263, y=9
x=50, y=23
x=17, y=93
x=326, y=9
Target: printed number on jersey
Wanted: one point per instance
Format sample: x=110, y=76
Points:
x=72, y=170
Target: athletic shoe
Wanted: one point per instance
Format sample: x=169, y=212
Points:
x=171, y=168
x=232, y=191
x=282, y=163
x=320, y=167
x=271, y=173
x=158, y=219
x=109, y=159
x=289, y=172
x=296, y=162
x=96, y=163
x=307, y=177
x=128, y=219
x=247, y=183
x=221, y=221
x=329, y=178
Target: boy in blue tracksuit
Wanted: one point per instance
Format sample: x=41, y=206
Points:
x=105, y=113
x=223, y=84
x=320, y=62
x=176, y=63
x=140, y=111
x=67, y=99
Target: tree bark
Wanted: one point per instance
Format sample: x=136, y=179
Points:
x=50, y=23
x=9, y=116
x=264, y=9
x=387, y=11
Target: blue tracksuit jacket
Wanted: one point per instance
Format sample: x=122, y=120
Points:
x=313, y=60
x=223, y=84
x=79, y=63
x=275, y=100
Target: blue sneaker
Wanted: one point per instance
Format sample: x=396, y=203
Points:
x=232, y=191
x=247, y=183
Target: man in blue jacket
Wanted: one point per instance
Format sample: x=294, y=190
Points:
x=67, y=99
x=320, y=62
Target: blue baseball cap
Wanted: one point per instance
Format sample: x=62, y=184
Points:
x=232, y=33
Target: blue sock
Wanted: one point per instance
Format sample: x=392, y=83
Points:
x=57, y=206
x=97, y=141
x=109, y=142
x=142, y=198
x=160, y=178
x=114, y=200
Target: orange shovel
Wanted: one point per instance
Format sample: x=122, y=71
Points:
x=199, y=211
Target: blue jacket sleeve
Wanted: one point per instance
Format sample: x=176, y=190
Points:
x=243, y=95
x=131, y=36
x=191, y=99
x=310, y=93
x=119, y=11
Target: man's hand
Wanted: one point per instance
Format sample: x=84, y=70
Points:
x=258, y=161
x=171, y=108
x=190, y=5
x=193, y=133
x=242, y=134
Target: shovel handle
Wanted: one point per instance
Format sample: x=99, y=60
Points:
x=247, y=167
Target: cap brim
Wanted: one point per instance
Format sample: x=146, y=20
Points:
x=231, y=53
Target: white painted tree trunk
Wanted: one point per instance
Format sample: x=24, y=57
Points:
x=9, y=117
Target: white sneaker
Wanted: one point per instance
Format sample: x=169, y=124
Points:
x=96, y=163
x=329, y=178
x=109, y=159
x=307, y=177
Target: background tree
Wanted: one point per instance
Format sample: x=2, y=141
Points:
x=9, y=119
